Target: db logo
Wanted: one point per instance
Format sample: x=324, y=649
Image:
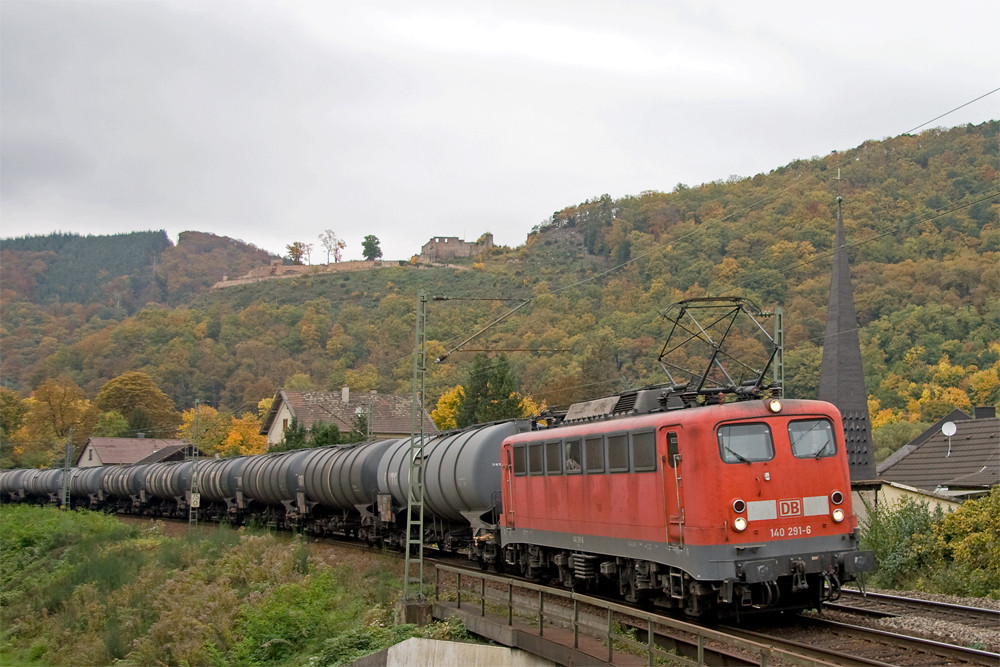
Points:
x=790, y=507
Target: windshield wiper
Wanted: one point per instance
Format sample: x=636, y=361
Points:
x=739, y=456
x=823, y=448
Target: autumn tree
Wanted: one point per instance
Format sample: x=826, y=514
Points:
x=55, y=408
x=370, y=248
x=445, y=415
x=333, y=245
x=205, y=428
x=244, y=438
x=296, y=251
x=137, y=398
x=13, y=408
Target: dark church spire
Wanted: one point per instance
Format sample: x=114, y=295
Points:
x=842, y=377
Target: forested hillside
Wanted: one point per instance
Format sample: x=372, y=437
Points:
x=921, y=214
x=122, y=271
x=110, y=270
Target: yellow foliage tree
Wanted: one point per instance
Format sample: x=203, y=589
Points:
x=208, y=432
x=529, y=407
x=881, y=416
x=53, y=409
x=984, y=386
x=244, y=438
x=935, y=402
x=445, y=415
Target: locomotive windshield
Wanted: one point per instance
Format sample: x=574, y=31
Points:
x=745, y=443
x=812, y=438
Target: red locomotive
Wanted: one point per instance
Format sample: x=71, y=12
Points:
x=676, y=497
x=745, y=505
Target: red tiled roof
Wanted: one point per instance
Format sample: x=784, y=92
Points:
x=125, y=451
x=391, y=414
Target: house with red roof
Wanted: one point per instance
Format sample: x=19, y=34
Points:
x=389, y=414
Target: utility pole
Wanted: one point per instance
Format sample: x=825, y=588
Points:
x=195, y=501
x=779, y=344
x=65, y=475
x=414, y=576
x=369, y=437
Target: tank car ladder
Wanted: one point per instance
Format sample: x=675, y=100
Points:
x=413, y=580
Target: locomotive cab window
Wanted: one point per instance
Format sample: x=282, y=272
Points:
x=535, y=459
x=644, y=451
x=812, y=438
x=553, y=458
x=745, y=443
x=574, y=455
x=594, y=449
x=618, y=452
x=520, y=460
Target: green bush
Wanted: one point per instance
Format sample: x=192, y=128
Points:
x=920, y=549
x=967, y=544
x=899, y=536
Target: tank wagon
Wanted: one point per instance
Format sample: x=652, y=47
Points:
x=85, y=488
x=461, y=484
x=10, y=484
x=220, y=485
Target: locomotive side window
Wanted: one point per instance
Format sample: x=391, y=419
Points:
x=520, y=460
x=644, y=451
x=618, y=453
x=744, y=443
x=535, y=459
x=812, y=438
x=594, y=448
x=553, y=458
x=574, y=454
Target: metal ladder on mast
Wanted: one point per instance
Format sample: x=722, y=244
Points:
x=414, y=570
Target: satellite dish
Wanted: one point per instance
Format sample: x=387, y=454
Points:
x=949, y=428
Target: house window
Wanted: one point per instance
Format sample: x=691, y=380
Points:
x=284, y=424
x=90, y=454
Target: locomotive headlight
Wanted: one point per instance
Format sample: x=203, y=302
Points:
x=838, y=515
x=774, y=405
x=739, y=524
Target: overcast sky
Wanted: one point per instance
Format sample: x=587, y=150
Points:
x=272, y=121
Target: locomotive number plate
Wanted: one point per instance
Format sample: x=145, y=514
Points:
x=791, y=531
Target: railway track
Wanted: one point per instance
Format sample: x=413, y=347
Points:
x=881, y=605
x=846, y=644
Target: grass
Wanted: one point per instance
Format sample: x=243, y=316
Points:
x=81, y=588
